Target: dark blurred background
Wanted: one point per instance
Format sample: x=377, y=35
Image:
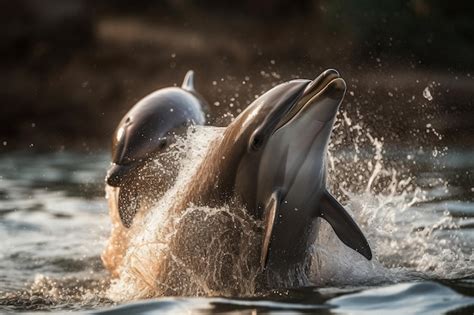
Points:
x=71, y=68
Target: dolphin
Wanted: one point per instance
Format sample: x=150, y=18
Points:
x=145, y=132
x=282, y=178
x=272, y=160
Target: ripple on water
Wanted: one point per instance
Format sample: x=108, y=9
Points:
x=405, y=298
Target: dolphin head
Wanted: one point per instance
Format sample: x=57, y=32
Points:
x=298, y=118
x=148, y=128
x=293, y=154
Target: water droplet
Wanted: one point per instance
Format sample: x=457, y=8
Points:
x=427, y=94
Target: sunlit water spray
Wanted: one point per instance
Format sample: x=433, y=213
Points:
x=214, y=251
x=395, y=211
x=417, y=224
x=200, y=251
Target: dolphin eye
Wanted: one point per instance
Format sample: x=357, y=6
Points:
x=256, y=142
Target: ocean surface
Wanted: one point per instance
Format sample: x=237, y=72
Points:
x=415, y=205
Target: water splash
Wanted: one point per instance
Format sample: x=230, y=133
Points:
x=418, y=223
x=49, y=293
x=395, y=210
x=427, y=94
x=213, y=251
x=201, y=251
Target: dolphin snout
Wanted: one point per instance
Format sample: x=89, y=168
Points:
x=321, y=81
x=117, y=173
x=328, y=101
x=336, y=89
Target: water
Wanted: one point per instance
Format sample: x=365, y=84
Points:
x=415, y=206
x=53, y=226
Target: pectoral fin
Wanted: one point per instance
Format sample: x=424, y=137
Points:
x=269, y=218
x=343, y=225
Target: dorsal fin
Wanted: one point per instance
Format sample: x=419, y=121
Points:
x=188, y=82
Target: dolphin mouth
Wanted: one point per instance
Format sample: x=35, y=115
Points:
x=124, y=197
x=123, y=178
x=319, y=84
x=118, y=173
x=328, y=84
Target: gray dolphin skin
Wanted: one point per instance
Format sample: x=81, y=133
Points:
x=145, y=132
x=282, y=176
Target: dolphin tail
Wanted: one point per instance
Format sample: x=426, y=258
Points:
x=188, y=82
x=343, y=225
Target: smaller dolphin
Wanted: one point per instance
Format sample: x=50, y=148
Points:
x=144, y=133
